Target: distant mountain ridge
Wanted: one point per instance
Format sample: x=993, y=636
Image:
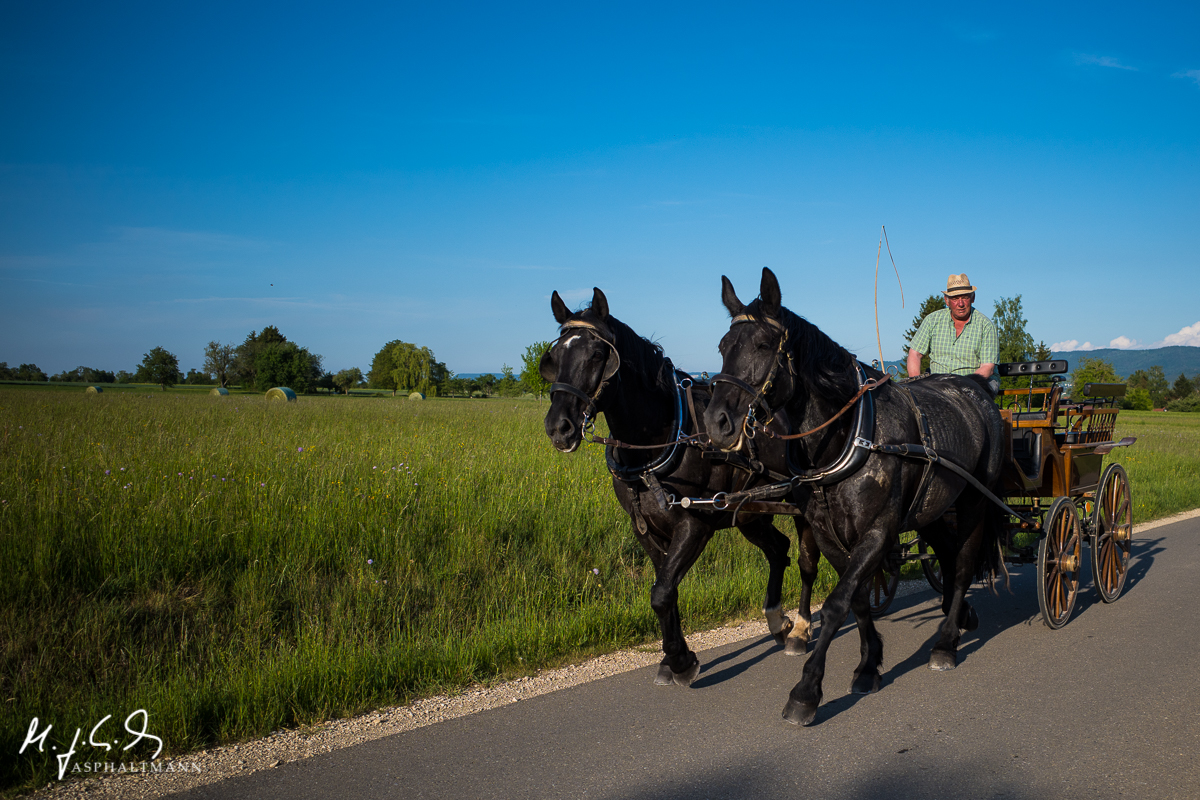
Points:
x=1174, y=360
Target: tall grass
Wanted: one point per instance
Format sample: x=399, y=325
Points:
x=233, y=566
x=1163, y=465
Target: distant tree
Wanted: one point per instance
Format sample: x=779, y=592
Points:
x=1182, y=388
x=30, y=372
x=1016, y=345
x=347, y=379
x=1189, y=403
x=403, y=366
x=325, y=381
x=245, y=365
x=931, y=304
x=195, y=377
x=1042, y=352
x=219, y=360
x=85, y=375
x=125, y=377
x=69, y=376
x=531, y=379
x=507, y=386
x=286, y=364
x=1154, y=382
x=1092, y=370
x=487, y=384
x=1137, y=399
x=159, y=366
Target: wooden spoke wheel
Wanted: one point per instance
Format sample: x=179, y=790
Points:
x=930, y=566
x=1059, y=560
x=1112, y=533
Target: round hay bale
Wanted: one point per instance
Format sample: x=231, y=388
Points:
x=281, y=393
x=416, y=396
x=93, y=390
x=220, y=391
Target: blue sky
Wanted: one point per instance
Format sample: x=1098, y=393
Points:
x=176, y=173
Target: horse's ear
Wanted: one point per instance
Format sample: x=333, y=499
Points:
x=561, y=312
x=730, y=298
x=546, y=366
x=769, y=292
x=599, y=304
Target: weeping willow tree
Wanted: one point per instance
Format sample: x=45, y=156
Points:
x=401, y=366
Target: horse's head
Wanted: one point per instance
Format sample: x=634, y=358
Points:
x=578, y=366
x=757, y=373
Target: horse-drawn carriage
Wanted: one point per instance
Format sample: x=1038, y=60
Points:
x=869, y=458
x=1054, y=479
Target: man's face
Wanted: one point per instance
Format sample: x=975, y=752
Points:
x=960, y=307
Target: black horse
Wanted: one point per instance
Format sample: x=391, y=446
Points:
x=598, y=364
x=859, y=492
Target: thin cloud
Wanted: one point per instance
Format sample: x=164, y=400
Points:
x=1123, y=343
x=1193, y=74
x=1088, y=60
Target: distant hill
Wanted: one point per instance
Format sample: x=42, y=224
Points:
x=1173, y=360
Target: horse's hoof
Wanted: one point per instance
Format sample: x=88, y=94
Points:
x=686, y=677
x=664, y=677
x=972, y=620
x=866, y=683
x=782, y=636
x=799, y=713
x=942, y=661
x=795, y=646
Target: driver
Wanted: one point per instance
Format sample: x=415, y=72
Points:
x=957, y=338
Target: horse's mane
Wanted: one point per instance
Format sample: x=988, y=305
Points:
x=822, y=364
x=639, y=356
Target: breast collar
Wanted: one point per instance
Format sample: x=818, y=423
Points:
x=666, y=460
x=856, y=450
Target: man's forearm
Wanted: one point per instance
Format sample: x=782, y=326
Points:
x=985, y=370
x=914, y=363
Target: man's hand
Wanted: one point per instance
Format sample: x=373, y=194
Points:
x=914, y=363
x=985, y=370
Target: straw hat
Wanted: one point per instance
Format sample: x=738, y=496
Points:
x=957, y=285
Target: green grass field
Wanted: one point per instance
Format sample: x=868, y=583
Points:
x=235, y=566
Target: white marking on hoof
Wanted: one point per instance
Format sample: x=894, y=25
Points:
x=777, y=621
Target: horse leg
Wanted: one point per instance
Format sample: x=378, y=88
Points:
x=805, y=697
x=680, y=665
x=866, y=675
x=808, y=561
x=766, y=537
x=960, y=615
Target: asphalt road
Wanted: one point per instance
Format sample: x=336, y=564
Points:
x=1106, y=707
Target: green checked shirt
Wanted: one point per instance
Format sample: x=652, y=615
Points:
x=958, y=353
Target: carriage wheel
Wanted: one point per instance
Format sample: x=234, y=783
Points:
x=1059, y=559
x=1112, y=533
x=887, y=578
x=883, y=589
x=931, y=566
